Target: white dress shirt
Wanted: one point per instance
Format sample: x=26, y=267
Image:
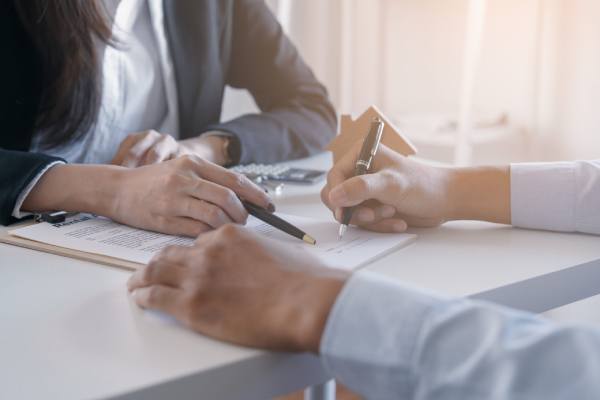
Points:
x=138, y=89
x=386, y=340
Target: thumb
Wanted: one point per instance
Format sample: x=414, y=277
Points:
x=124, y=147
x=357, y=190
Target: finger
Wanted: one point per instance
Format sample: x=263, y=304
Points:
x=357, y=189
x=368, y=212
x=340, y=172
x=156, y=272
x=124, y=148
x=204, y=238
x=162, y=150
x=325, y=195
x=177, y=255
x=345, y=167
x=241, y=185
x=158, y=297
x=134, y=156
x=183, y=226
x=335, y=177
x=201, y=210
x=392, y=225
x=220, y=196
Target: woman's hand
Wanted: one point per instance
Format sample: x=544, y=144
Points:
x=187, y=195
x=151, y=147
x=401, y=191
x=234, y=286
x=184, y=196
x=398, y=191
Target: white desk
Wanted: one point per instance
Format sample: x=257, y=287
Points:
x=68, y=329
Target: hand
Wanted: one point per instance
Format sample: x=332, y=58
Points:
x=398, y=191
x=235, y=286
x=151, y=147
x=187, y=195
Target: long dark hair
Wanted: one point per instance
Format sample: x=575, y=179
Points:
x=66, y=34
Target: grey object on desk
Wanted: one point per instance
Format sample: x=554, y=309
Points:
x=269, y=186
x=282, y=173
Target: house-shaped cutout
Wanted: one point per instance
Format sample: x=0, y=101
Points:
x=352, y=131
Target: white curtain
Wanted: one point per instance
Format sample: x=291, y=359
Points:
x=539, y=66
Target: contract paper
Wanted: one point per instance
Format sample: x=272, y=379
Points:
x=357, y=248
x=97, y=235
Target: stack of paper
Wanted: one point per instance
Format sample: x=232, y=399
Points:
x=102, y=240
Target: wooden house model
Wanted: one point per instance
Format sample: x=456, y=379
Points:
x=352, y=131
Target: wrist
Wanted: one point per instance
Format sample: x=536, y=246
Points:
x=479, y=193
x=74, y=187
x=312, y=311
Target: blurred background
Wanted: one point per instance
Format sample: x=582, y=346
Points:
x=468, y=81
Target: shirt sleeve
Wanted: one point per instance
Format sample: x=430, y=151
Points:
x=17, y=213
x=385, y=340
x=296, y=119
x=563, y=196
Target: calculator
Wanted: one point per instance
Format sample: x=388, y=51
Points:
x=281, y=173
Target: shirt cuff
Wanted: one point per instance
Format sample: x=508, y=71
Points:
x=17, y=213
x=375, y=322
x=543, y=196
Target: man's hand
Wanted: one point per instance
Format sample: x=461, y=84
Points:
x=235, y=286
x=401, y=191
x=398, y=191
x=151, y=147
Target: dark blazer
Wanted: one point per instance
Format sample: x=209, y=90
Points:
x=213, y=43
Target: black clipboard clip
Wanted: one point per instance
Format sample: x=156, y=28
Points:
x=55, y=217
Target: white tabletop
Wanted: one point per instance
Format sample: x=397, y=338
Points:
x=69, y=329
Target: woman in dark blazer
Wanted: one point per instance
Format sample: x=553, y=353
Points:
x=53, y=95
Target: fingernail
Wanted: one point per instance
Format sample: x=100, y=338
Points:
x=338, y=214
x=399, y=226
x=271, y=207
x=338, y=195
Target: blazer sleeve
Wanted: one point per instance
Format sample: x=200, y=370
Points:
x=17, y=169
x=297, y=118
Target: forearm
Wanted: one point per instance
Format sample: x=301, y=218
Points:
x=297, y=118
x=281, y=134
x=480, y=193
x=557, y=196
x=403, y=341
x=84, y=188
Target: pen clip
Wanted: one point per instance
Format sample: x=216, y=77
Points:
x=380, y=126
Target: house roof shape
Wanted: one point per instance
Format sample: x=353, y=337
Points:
x=352, y=131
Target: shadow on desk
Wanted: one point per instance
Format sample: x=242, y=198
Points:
x=342, y=393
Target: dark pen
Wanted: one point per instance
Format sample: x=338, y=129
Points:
x=367, y=153
x=277, y=222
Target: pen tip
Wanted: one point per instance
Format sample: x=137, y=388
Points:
x=309, y=239
x=342, y=231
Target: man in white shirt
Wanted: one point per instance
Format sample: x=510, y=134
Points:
x=381, y=338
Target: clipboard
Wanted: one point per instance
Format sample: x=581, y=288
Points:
x=7, y=238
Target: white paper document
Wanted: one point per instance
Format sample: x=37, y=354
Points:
x=102, y=236
x=357, y=248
